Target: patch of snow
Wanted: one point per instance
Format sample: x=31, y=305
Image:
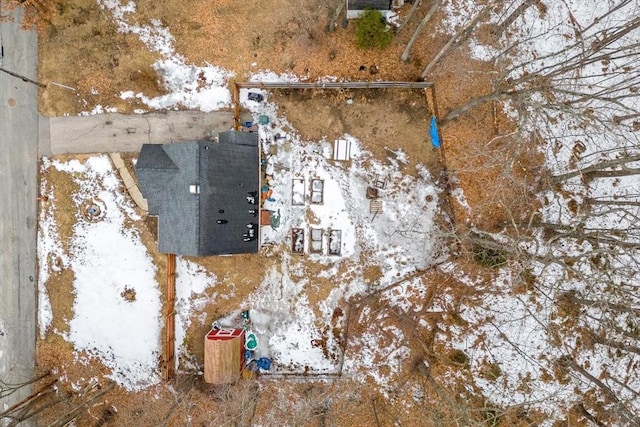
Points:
x=191, y=282
x=458, y=195
x=458, y=14
x=128, y=94
x=285, y=325
x=273, y=77
x=106, y=257
x=483, y=52
x=203, y=88
x=99, y=109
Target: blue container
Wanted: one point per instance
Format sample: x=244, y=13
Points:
x=264, y=363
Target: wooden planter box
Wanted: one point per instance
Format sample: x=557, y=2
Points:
x=297, y=240
x=335, y=242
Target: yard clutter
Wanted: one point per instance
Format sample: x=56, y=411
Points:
x=251, y=342
x=256, y=365
x=229, y=351
x=254, y=96
x=433, y=131
x=317, y=191
x=250, y=127
x=297, y=240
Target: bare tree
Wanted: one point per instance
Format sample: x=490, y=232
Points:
x=414, y=37
x=519, y=11
x=414, y=7
x=556, y=82
x=627, y=415
x=461, y=35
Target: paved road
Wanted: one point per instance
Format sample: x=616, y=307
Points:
x=18, y=168
x=117, y=132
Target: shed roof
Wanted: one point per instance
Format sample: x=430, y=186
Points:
x=213, y=221
x=368, y=4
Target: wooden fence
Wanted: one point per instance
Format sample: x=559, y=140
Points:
x=170, y=319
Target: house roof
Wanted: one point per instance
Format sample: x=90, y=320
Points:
x=368, y=4
x=213, y=221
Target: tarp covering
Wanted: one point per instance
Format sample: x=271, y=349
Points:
x=435, y=137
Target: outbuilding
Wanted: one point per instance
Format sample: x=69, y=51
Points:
x=355, y=8
x=223, y=355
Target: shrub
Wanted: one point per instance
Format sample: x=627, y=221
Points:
x=371, y=30
x=489, y=257
x=460, y=358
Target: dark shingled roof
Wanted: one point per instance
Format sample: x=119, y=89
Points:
x=368, y=4
x=227, y=173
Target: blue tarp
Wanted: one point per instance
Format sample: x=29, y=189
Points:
x=435, y=138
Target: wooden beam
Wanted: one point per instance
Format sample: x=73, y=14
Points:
x=334, y=85
x=170, y=319
x=236, y=106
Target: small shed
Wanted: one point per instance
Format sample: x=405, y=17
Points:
x=223, y=355
x=355, y=8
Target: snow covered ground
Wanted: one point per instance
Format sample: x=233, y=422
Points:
x=593, y=219
x=107, y=257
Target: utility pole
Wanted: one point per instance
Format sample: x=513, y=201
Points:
x=23, y=78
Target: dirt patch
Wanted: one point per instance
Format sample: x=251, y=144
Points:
x=384, y=120
x=485, y=156
x=61, y=297
x=128, y=294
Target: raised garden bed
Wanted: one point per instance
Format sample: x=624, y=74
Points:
x=297, y=240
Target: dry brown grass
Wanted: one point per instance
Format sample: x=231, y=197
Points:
x=496, y=170
x=61, y=297
x=83, y=49
x=382, y=119
x=64, y=212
